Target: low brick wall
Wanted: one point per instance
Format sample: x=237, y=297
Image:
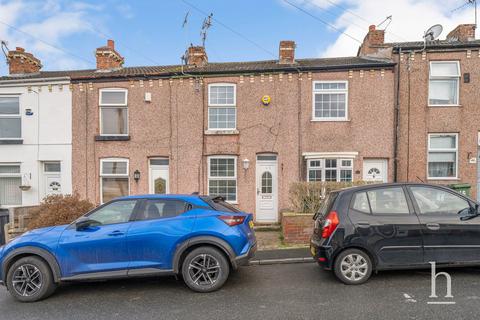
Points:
x=297, y=228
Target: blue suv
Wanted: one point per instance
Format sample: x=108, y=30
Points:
x=198, y=237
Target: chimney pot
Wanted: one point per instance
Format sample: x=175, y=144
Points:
x=108, y=58
x=286, y=54
x=196, y=56
x=372, y=28
x=21, y=62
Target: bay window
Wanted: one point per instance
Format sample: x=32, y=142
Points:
x=114, y=180
x=113, y=112
x=222, y=177
x=442, y=156
x=444, y=82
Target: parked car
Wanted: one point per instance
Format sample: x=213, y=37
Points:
x=395, y=226
x=198, y=237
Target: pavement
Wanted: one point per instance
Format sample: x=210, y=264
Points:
x=279, y=291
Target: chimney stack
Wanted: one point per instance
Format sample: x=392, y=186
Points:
x=286, y=52
x=108, y=58
x=196, y=56
x=21, y=62
x=373, y=41
x=463, y=33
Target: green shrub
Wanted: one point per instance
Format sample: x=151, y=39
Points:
x=57, y=210
x=307, y=197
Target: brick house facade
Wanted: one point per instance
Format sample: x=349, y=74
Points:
x=179, y=118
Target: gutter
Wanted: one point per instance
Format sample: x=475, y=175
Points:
x=443, y=48
x=34, y=80
x=396, y=121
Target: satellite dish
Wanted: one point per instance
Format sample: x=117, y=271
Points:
x=433, y=32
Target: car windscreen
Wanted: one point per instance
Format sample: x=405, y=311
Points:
x=326, y=206
x=221, y=205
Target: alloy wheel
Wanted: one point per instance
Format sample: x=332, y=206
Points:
x=354, y=267
x=204, y=270
x=27, y=280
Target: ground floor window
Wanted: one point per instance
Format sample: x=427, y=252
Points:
x=222, y=177
x=114, y=181
x=442, y=155
x=330, y=169
x=10, y=181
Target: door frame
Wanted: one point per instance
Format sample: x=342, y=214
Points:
x=258, y=165
x=158, y=167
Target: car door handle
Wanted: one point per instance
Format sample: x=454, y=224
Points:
x=433, y=226
x=116, y=233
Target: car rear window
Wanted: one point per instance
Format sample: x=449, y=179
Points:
x=327, y=206
x=221, y=205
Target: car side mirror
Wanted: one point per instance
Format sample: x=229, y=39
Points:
x=83, y=223
x=469, y=213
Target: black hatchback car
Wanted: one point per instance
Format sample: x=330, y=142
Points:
x=395, y=226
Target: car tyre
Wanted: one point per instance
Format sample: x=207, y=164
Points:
x=30, y=279
x=205, y=269
x=353, y=266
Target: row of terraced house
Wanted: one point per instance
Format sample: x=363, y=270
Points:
x=244, y=130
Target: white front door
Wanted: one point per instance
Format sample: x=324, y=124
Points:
x=159, y=176
x=375, y=170
x=52, y=178
x=267, y=189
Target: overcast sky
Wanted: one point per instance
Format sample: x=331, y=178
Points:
x=64, y=34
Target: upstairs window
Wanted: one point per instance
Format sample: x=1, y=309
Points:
x=444, y=83
x=10, y=119
x=330, y=169
x=222, y=110
x=442, y=156
x=330, y=100
x=113, y=112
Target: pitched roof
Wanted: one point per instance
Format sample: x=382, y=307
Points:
x=436, y=44
x=212, y=69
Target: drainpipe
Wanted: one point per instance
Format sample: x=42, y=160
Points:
x=396, y=120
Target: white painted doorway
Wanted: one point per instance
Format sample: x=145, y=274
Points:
x=52, y=178
x=375, y=170
x=266, y=188
x=159, y=176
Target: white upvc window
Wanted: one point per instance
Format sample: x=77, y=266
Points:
x=442, y=156
x=222, y=106
x=330, y=169
x=444, y=83
x=330, y=101
x=10, y=182
x=10, y=118
x=222, y=177
x=114, y=178
x=113, y=112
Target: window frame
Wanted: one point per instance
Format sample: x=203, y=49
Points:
x=446, y=190
x=12, y=175
x=187, y=206
x=113, y=106
x=323, y=168
x=103, y=205
x=13, y=116
x=330, y=91
x=235, y=178
x=114, y=175
x=406, y=194
x=220, y=105
x=457, y=78
x=429, y=150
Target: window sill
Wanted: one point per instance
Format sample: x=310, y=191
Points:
x=330, y=120
x=444, y=105
x=112, y=138
x=11, y=141
x=221, y=132
x=443, y=179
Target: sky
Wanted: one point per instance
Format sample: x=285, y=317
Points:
x=64, y=34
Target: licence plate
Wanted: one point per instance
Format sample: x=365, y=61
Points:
x=250, y=223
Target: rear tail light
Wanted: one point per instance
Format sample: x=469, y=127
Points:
x=330, y=224
x=232, y=220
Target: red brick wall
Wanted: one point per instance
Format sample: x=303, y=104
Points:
x=297, y=228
